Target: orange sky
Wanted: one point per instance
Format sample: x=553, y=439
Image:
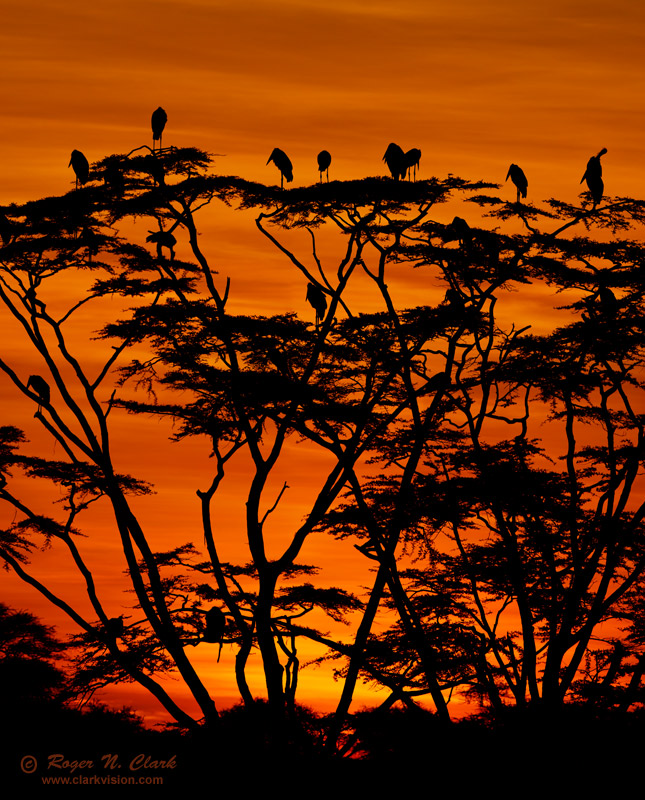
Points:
x=475, y=85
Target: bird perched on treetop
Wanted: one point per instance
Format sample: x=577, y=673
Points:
x=516, y=174
x=81, y=167
x=159, y=119
x=593, y=176
x=318, y=301
x=395, y=159
x=281, y=160
x=324, y=160
x=412, y=158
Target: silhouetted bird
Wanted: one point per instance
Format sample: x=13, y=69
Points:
x=395, y=159
x=324, y=160
x=114, y=179
x=215, y=627
x=412, y=158
x=163, y=239
x=41, y=389
x=460, y=230
x=516, y=174
x=318, y=301
x=454, y=299
x=281, y=160
x=159, y=119
x=607, y=301
x=6, y=229
x=154, y=167
x=593, y=176
x=81, y=167
x=89, y=239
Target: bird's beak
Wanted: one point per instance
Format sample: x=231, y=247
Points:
x=268, y=159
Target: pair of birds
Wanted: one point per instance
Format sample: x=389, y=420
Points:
x=79, y=163
x=401, y=163
x=283, y=163
x=593, y=177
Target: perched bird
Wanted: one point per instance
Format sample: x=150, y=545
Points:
x=163, y=239
x=90, y=240
x=154, y=167
x=159, y=119
x=81, y=167
x=324, y=160
x=6, y=228
x=395, y=159
x=281, y=160
x=318, y=301
x=41, y=390
x=412, y=158
x=516, y=174
x=114, y=179
x=607, y=301
x=593, y=176
x=215, y=627
x=454, y=299
x=458, y=230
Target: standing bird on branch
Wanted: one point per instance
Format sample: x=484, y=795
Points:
x=395, y=159
x=163, y=239
x=318, y=301
x=412, y=158
x=516, y=174
x=281, y=160
x=159, y=119
x=41, y=390
x=593, y=176
x=215, y=627
x=81, y=167
x=324, y=160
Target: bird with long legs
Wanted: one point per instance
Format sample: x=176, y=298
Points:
x=81, y=167
x=516, y=174
x=317, y=300
x=282, y=162
x=593, y=177
x=412, y=159
x=158, y=121
x=324, y=160
x=394, y=157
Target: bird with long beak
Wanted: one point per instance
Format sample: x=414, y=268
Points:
x=516, y=174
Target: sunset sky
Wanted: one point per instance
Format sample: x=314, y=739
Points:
x=475, y=85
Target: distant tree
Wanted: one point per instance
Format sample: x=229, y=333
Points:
x=29, y=652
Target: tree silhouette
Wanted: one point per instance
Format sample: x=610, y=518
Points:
x=498, y=550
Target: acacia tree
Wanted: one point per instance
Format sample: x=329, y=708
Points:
x=407, y=402
x=525, y=561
